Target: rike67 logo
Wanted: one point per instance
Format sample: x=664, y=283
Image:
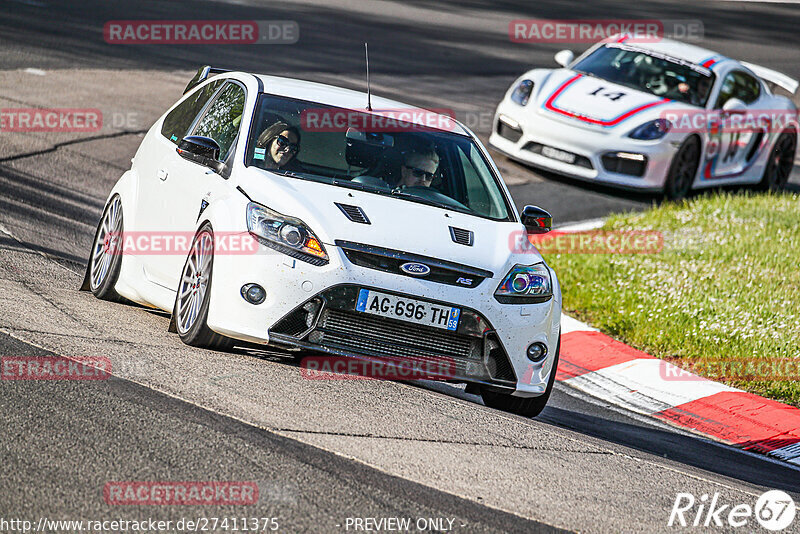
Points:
x=774, y=510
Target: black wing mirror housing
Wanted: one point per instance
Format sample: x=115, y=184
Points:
x=536, y=220
x=201, y=150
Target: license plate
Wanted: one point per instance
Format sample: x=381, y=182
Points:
x=409, y=310
x=560, y=155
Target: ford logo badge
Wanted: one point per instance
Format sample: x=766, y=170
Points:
x=415, y=269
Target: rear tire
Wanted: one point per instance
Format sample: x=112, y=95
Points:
x=105, y=259
x=780, y=163
x=194, y=295
x=526, y=407
x=683, y=170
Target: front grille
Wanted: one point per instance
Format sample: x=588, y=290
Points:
x=394, y=337
x=580, y=161
x=632, y=167
x=329, y=322
x=354, y=213
x=400, y=342
x=390, y=261
x=462, y=236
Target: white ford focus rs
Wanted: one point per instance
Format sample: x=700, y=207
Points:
x=663, y=116
x=374, y=235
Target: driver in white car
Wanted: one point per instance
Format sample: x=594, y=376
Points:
x=419, y=167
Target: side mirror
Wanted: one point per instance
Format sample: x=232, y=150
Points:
x=564, y=57
x=536, y=220
x=734, y=106
x=201, y=150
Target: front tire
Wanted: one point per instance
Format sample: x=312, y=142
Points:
x=780, y=163
x=683, y=170
x=526, y=407
x=194, y=295
x=105, y=260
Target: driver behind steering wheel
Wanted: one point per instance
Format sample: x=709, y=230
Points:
x=419, y=167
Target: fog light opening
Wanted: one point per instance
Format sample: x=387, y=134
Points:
x=254, y=293
x=312, y=309
x=537, y=352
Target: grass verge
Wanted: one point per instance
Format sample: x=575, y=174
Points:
x=721, y=298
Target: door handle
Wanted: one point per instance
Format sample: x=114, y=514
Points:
x=162, y=174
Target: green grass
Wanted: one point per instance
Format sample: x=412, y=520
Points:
x=726, y=285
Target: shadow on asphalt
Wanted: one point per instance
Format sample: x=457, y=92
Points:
x=572, y=413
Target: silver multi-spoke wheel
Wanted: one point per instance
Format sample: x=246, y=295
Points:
x=106, y=245
x=194, y=282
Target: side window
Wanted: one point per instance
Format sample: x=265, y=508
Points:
x=741, y=85
x=222, y=118
x=180, y=119
x=481, y=197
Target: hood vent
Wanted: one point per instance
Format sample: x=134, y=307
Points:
x=461, y=236
x=354, y=213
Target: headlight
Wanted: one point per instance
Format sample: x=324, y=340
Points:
x=655, y=129
x=525, y=284
x=285, y=234
x=522, y=92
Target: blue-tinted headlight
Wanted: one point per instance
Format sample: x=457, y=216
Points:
x=522, y=92
x=525, y=283
x=655, y=129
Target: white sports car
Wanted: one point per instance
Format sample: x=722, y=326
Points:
x=376, y=235
x=662, y=116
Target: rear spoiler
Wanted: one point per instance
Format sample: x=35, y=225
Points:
x=202, y=75
x=773, y=77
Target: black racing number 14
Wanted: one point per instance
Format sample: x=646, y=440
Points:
x=611, y=95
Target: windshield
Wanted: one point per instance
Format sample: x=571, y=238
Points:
x=647, y=71
x=311, y=141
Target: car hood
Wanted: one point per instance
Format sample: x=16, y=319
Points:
x=597, y=104
x=394, y=223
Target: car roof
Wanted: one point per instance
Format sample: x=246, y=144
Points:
x=678, y=50
x=340, y=97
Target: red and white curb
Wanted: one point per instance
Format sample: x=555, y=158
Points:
x=602, y=367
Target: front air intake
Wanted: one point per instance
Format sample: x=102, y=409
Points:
x=354, y=213
x=461, y=236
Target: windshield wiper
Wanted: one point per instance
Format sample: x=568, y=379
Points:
x=421, y=200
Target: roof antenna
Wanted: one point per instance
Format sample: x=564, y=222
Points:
x=369, y=96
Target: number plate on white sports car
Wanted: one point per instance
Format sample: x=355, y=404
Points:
x=405, y=309
x=560, y=155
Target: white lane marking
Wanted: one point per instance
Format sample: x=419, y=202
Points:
x=37, y=72
x=639, y=386
x=570, y=324
x=582, y=226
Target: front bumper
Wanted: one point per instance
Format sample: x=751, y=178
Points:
x=589, y=144
x=486, y=331
x=328, y=323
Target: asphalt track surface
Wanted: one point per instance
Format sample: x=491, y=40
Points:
x=320, y=451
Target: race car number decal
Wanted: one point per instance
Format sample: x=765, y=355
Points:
x=551, y=104
x=611, y=95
